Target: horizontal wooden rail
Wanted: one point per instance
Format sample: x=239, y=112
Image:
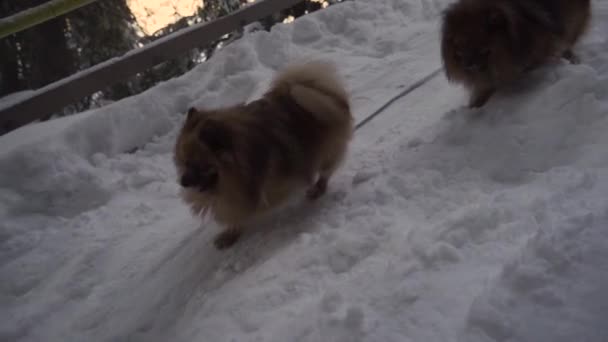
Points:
x=57, y=95
x=39, y=14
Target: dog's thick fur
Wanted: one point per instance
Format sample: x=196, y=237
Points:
x=486, y=44
x=239, y=162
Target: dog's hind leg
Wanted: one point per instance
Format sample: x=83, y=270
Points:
x=318, y=189
x=480, y=95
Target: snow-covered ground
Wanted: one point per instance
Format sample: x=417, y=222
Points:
x=444, y=224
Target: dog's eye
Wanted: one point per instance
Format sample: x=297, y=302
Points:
x=206, y=169
x=215, y=135
x=458, y=55
x=199, y=167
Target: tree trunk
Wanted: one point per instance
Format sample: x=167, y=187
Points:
x=9, y=67
x=50, y=57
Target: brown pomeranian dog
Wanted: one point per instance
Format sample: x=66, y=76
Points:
x=488, y=43
x=236, y=163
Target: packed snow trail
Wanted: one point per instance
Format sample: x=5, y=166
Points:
x=445, y=224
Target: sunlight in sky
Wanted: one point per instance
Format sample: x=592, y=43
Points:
x=153, y=15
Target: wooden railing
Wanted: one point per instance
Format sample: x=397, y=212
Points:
x=39, y=14
x=57, y=95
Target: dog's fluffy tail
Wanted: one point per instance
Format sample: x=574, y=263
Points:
x=318, y=75
x=316, y=87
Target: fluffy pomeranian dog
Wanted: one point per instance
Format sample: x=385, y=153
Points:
x=238, y=162
x=486, y=44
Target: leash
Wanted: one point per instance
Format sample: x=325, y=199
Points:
x=405, y=92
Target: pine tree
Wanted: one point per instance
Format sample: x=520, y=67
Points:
x=101, y=31
x=35, y=57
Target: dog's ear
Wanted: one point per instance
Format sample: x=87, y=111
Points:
x=191, y=113
x=192, y=117
x=496, y=19
x=216, y=135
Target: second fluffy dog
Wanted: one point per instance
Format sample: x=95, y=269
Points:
x=236, y=163
x=487, y=44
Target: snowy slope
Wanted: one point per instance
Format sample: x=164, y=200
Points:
x=444, y=225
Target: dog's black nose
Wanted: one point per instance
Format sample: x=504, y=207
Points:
x=187, y=180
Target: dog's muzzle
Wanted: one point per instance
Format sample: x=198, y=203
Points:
x=202, y=181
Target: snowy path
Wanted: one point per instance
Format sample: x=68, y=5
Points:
x=440, y=227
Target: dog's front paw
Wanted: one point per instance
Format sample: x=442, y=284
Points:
x=317, y=190
x=571, y=57
x=226, y=239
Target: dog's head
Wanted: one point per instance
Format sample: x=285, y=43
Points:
x=477, y=43
x=202, y=150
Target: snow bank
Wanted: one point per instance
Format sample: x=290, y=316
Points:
x=554, y=289
x=445, y=224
